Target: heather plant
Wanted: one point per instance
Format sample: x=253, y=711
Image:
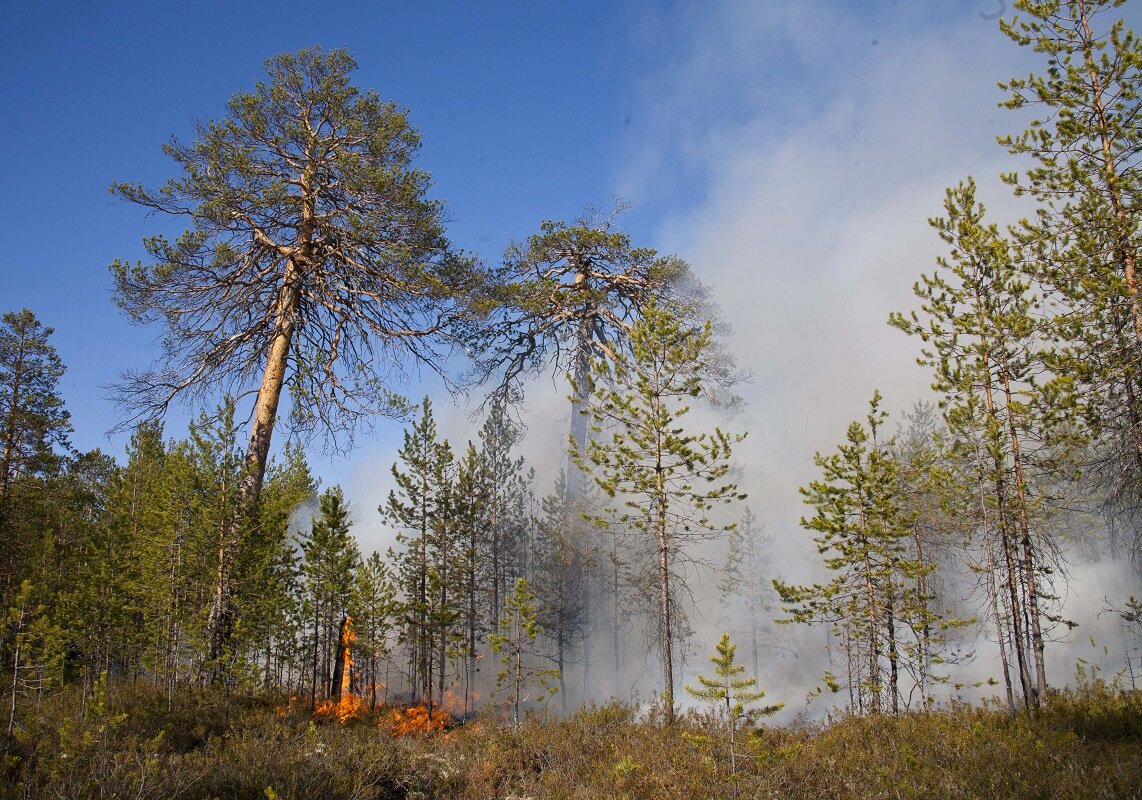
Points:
x=125, y=742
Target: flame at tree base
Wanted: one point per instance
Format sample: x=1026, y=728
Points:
x=409, y=721
x=347, y=708
x=344, y=706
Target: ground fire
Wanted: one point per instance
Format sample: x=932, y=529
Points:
x=343, y=705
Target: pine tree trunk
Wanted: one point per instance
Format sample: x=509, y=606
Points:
x=220, y=622
x=893, y=665
x=1012, y=578
x=316, y=651
x=7, y=456
x=1029, y=579
x=664, y=598
x=873, y=641
x=733, y=749
x=585, y=590
x=922, y=600
x=992, y=591
x=873, y=622
x=15, y=679
x=423, y=677
x=517, y=664
x=615, y=616
x=471, y=629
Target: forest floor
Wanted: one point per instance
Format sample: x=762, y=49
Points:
x=126, y=743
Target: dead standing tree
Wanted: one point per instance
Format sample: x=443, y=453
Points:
x=312, y=260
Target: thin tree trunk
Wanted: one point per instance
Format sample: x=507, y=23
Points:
x=14, y=400
x=316, y=651
x=517, y=667
x=1028, y=552
x=471, y=628
x=15, y=680
x=664, y=600
x=559, y=657
x=992, y=592
x=1000, y=467
x=893, y=665
x=615, y=615
x=873, y=640
x=873, y=622
x=585, y=589
x=922, y=600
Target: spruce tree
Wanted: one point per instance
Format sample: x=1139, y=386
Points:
x=329, y=563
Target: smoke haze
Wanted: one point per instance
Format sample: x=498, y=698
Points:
x=814, y=142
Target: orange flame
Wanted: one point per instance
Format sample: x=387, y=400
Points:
x=285, y=710
x=454, y=704
x=347, y=708
x=415, y=720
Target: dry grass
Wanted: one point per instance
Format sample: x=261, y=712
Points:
x=1086, y=744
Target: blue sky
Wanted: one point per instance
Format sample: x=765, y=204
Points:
x=792, y=152
x=761, y=141
x=520, y=106
x=528, y=110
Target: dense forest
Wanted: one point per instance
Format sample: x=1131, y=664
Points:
x=202, y=595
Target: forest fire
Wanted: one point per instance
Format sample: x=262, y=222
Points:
x=343, y=706
x=416, y=720
x=406, y=721
x=347, y=708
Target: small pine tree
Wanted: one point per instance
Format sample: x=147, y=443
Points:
x=518, y=631
x=374, y=608
x=734, y=691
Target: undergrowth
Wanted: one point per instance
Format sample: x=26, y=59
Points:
x=125, y=742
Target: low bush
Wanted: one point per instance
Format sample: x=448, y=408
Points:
x=126, y=741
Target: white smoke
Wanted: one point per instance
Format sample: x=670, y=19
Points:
x=809, y=144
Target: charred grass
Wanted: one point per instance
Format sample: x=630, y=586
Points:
x=127, y=743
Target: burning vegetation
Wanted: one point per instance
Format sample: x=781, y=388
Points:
x=343, y=706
